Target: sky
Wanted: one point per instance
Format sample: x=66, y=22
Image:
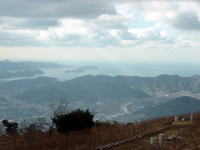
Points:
x=131, y=31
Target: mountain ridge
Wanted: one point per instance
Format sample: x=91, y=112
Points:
x=103, y=87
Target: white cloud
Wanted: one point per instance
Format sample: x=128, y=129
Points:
x=141, y=25
x=115, y=33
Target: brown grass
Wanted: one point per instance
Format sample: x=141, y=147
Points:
x=92, y=138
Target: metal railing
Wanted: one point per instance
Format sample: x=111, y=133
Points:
x=134, y=138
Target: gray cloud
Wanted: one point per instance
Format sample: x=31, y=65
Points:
x=27, y=23
x=55, y=9
x=91, y=23
x=38, y=23
x=186, y=21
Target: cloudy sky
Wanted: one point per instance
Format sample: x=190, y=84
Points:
x=101, y=30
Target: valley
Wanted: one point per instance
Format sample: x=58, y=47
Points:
x=113, y=98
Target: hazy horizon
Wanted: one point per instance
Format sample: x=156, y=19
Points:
x=76, y=69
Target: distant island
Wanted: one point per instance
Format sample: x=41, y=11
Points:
x=22, y=73
x=10, y=69
x=81, y=69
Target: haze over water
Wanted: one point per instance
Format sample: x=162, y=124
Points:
x=144, y=70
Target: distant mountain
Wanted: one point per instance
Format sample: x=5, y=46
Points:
x=14, y=87
x=119, y=97
x=180, y=105
x=162, y=84
x=86, y=88
x=102, y=87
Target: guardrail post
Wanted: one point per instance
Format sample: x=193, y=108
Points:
x=176, y=118
x=161, y=137
x=153, y=140
x=191, y=118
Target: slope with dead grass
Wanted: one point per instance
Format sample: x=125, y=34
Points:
x=91, y=138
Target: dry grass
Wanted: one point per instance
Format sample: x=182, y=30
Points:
x=190, y=131
x=92, y=138
x=82, y=140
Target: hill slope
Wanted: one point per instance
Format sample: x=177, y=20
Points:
x=90, y=88
x=180, y=105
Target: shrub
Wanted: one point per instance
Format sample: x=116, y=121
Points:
x=11, y=127
x=98, y=123
x=73, y=121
